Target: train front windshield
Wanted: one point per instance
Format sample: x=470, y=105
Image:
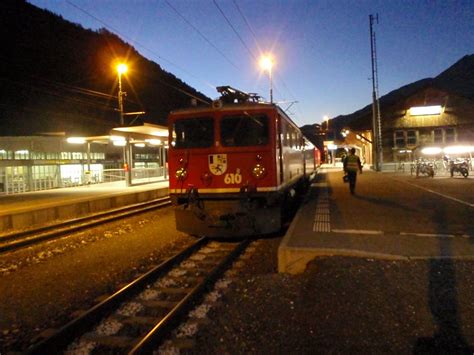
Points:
x=244, y=130
x=193, y=133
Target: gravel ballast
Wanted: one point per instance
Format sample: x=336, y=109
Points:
x=338, y=305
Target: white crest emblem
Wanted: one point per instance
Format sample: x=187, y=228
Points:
x=217, y=163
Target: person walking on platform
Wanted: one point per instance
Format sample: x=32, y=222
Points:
x=351, y=166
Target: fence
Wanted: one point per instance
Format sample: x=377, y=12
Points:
x=26, y=182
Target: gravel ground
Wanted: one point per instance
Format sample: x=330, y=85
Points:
x=343, y=305
x=339, y=305
x=41, y=287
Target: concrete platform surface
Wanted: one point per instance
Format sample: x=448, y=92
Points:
x=31, y=209
x=390, y=217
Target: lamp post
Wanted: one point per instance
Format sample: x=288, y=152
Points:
x=121, y=69
x=326, y=118
x=266, y=63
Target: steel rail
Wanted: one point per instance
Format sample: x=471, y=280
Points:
x=29, y=237
x=58, y=341
x=163, y=328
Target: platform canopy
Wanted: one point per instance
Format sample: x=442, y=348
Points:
x=147, y=129
x=147, y=133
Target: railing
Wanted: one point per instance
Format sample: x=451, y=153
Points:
x=14, y=184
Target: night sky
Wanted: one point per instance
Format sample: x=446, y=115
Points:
x=321, y=48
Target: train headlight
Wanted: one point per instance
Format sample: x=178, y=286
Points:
x=206, y=179
x=259, y=171
x=181, y=174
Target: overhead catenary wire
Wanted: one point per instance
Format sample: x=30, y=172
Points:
x=202, y=35
x=115, y=31
x=260, y=50
x=248, y=25
x=235, y=31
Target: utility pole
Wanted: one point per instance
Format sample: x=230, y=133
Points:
x=377, y=152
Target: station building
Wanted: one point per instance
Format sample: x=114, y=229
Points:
x=431, y=117
x=33, y=163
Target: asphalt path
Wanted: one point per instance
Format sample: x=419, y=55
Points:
x=402, y=204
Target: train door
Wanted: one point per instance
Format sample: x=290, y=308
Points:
x=279, y=154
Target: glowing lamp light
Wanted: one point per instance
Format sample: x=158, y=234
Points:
x=140, y=145
x=122, y=68
x=266, y=62
x=431, y=150
x=153, y=141
x=119, y=143
x=425, y=110
x=160, y=134
x=117, y=138
x=259, y=171
x=181, y=174
x=76, y=140
x=459, y=149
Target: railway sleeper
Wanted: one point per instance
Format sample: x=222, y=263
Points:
x=105, y=343
x=163, y=305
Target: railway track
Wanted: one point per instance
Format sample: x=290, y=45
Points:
x=138, y=317
x=18, y=240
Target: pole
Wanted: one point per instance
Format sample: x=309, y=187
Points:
x=129, y=162
x=271, y=85
x=120, y=99
x=125, y=150
x=376, y=129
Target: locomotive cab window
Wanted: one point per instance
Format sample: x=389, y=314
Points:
x=193, y=133
x=244, y=130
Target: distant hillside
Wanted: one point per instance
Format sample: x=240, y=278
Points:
x=457, y=79
x=56, y=76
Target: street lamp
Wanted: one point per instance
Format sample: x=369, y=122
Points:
x=121, y=69
x=266, y=63
x=326, y=118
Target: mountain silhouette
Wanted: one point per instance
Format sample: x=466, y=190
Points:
x=57, y=77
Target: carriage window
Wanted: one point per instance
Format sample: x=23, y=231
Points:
x=244, y=130
x=193, y=133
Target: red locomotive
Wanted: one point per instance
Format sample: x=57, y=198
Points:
x=235, y=165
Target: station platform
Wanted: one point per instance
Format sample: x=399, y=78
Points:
x=382, y=221
x=33, y=209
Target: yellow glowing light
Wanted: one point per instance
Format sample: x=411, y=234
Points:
x=122, y=68
x=460, y=149
x=160, y=133
x=425, y=110
x=266, y=62
x=117, y=138
x=153, y=141
x=76, y=140
x=431, y=150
